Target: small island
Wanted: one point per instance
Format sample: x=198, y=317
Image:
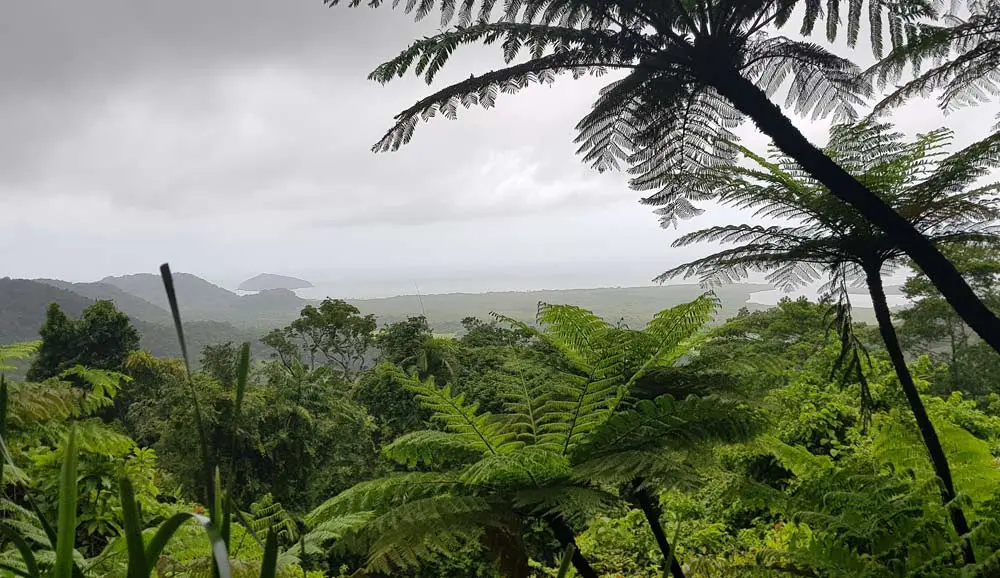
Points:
x=269, y=281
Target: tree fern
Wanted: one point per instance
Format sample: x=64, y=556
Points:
x=928, y=187
x=483, y=432
x=431, y=447
x=496, y=472
x=17, y=352
x=424, y=528
x=384, y=493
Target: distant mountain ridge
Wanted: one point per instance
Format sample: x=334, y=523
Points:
x=23, y=303
x=201, y=300
x=213, y=314
x=132, y=305
x=270, y=281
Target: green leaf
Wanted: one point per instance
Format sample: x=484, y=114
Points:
x=3, y=426
x=206, y=456
x=567, y=560
x=167, y=529
x=27, y=555
x=138, y=565
x=66, y=533
x=269, y=566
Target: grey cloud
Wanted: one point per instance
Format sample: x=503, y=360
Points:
x=176, y=107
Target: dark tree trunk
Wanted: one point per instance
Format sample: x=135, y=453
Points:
x=754, y=103
x=565, y=536
x=651, y=509
x=927, y=431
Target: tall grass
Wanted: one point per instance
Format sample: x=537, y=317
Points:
x=142, y=555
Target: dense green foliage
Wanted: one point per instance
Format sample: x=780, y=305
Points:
x=684, y=447
x=787, y=441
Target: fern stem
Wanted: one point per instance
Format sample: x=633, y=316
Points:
x=938, y=459
x=566, y=537
x=650, y=507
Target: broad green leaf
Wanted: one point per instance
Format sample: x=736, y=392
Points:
x=138, y=565
x=66, y=529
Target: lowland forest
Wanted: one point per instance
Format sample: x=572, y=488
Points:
x=157, y=423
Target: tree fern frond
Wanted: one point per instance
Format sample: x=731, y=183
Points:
x=481, y=431
x=338, y=527
x=528, y=406
x=664, y=420
x=525, y=467
x=431, y=447
x=103, y=386
x=575, y=328
x=32, y=403
x=674, y=327
x=483, y=90
x=382, y=494
x=423, y=529
x=655, y=465
x=571, y=353
x=575, y=503
x=964, y=62
x=17, y=351
x=822, y=84
x=266, y=515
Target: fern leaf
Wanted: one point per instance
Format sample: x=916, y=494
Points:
x=382, y=494
x=481, y=431
x=430, y=447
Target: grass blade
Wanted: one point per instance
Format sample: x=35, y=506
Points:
x=27, y=555
x=138, y=565
x=673, y=549
x=167, y=530
x=3, y=425
x=242, y=375
x=168, y=285
x=567, y=561
x=220, y=509
x=164, y=533
x=66, y=528
x=269, y=565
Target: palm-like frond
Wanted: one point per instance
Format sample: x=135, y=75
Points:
x=423, y=529
x=481, y=431
x=667, y=113
x=573, y=328
x=918, y=179
x=524, y=467
x=17, y=351
x=574, y=503
x=667, y=421
x=382, y=494
x=960, y=61
x=494, y=471
x=431, y=447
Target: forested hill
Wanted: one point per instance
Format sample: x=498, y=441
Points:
x=201, y=300
x=213, y=314
x=135, y=307
x=23, y=304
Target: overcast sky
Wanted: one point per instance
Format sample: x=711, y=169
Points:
x=231, y=137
